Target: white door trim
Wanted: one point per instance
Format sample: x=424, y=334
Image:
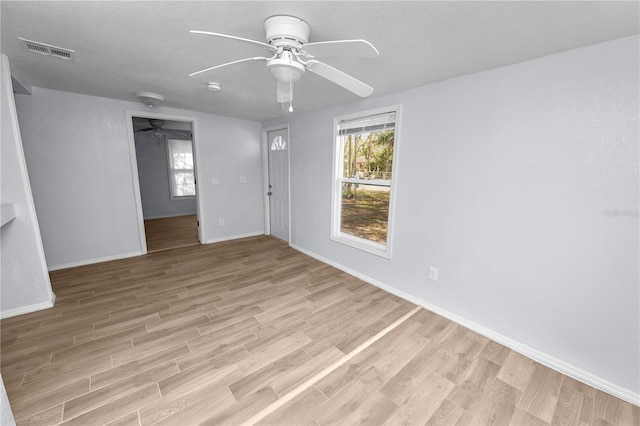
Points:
x=129, y=114
x=265, y=176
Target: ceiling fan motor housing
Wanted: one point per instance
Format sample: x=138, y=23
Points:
x=156, y=122
x=287, y=31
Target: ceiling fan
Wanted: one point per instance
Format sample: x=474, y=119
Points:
x=287, y=39
x=160, y=133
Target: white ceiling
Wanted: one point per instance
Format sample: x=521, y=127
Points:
x=124, y=47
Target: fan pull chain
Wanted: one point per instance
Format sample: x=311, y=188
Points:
x=290, y=92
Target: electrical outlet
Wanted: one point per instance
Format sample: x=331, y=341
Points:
x=243, y=179
x=215, y=181
x=221, y=221
x=433, y=273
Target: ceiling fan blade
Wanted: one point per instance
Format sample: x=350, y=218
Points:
x=246, y=40
x=256, y=58
x=144, y=130
x=354, y=48
x=171, y=132
x=340, y=78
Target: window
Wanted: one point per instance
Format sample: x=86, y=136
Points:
x=181, y=177
x=278, y=144
x=363, y=187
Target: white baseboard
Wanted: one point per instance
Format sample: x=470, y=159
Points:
x=234, y=237
x=168, y=216
x=536, y=355
x=28, y=309
x=92, y=261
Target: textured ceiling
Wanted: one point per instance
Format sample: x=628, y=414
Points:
x=124, y=47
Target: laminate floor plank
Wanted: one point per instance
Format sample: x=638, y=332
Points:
x=30, y=400
x=171, y=232
x=350, y=398
x=131, y=419
x=298, y=413
x=421, y=406
x=97, y=398
x=50, y=416
x=540, y=396
x=116, y=374
x=192, y=407
x=253, y=330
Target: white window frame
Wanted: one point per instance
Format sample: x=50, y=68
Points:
x=171, y=171
x=378, y=249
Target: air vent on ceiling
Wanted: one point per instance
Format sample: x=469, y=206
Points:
x=47, y=49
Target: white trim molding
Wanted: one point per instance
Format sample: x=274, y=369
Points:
x=234, y=237
x=93, y=261
x=129, y=114
x=29, y=309
x=536, y=355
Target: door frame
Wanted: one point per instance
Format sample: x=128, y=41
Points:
x=265, y=176
x=129, y=114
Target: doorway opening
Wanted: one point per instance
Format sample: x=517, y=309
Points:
x=164, y=152
x=275, y=145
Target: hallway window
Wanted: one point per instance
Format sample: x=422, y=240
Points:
x=363, y=169
x=182, y=179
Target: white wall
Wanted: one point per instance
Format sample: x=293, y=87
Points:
x=6, y=415
x=521, y=185
x=77, y=153
x=153, y=173
x=24, y=281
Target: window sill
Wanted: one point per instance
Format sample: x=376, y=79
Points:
x=371, y=247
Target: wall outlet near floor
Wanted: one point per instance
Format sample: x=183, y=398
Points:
x=221, y=221
x=433, y=273
x=243, y=179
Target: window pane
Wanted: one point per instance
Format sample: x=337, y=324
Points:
x=368, y=155
x=278, y=144
x=182, y=161
x=181, y=168
x=365, y=211
x=185, y=184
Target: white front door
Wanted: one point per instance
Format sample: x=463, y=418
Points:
x=278, y=146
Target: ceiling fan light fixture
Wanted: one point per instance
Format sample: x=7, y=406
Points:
x=285, y=70
x=151, y=100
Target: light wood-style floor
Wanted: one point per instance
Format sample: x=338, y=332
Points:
x=171, y=232
x=252, y=331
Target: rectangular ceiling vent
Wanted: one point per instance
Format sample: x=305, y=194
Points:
x=47, y=49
